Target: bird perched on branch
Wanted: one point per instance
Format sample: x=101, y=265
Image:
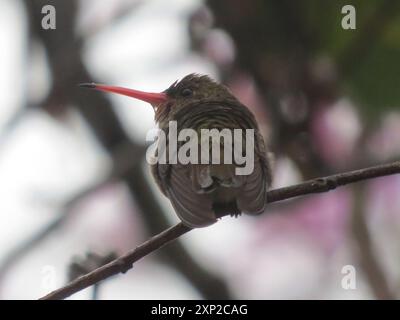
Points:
x=202, y=192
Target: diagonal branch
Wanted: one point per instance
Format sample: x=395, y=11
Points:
x=125, y=262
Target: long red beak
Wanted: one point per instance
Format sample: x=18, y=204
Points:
x=150, y=97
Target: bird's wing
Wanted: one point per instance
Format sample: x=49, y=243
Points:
x=194, y=209
x=177, y=182
x=253, y=195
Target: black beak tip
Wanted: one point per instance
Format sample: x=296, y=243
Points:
x=87, y=85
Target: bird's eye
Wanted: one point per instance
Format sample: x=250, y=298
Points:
x=186, y=92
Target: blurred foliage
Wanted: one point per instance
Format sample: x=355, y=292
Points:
x=368, y=56
x=367, y=59
x=376, y=82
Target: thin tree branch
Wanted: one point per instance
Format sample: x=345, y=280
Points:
x=120, y=168
x=26, y=246
x=125, y=262
x=120, y=265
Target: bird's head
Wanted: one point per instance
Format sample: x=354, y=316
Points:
x=191, y=89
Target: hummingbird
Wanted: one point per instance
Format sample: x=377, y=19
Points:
x=202, y=193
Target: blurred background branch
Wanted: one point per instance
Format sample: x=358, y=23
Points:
x=98, y=113
x=367, y=255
